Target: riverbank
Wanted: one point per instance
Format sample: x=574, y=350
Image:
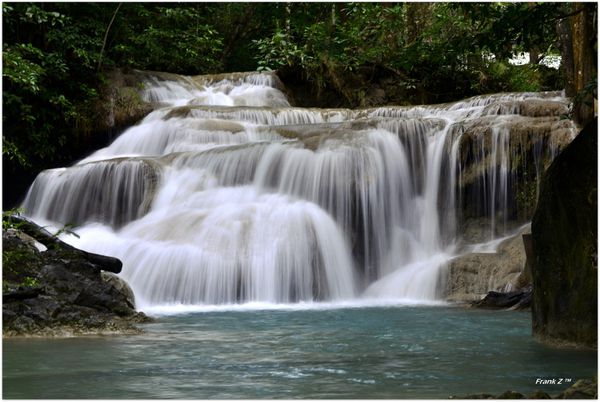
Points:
x=50, y=289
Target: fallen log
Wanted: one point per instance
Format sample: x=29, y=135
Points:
x=51, y=241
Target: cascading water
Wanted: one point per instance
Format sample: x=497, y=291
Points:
x=227, y=194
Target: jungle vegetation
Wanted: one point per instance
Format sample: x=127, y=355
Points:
x=56, y=57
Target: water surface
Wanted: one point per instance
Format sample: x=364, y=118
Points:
x=370, y=352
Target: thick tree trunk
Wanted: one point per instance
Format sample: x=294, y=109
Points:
x=565, y=39
x=583, y=28
x=577, y=42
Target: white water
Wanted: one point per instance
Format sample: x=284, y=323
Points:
x=225, y=194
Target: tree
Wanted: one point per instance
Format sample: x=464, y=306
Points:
x=581, y=59
x=55, y=55
x=51, y=83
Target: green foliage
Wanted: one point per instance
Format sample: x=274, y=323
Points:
x=498, y=76
x=167, y=38
x=29, y=282
x=51, y=53
x=11, y=259
x=526, y=195
x=278, y=51
x=12, y=153
x=20, y=263
x=43, y=79
x=68, y=229
x=364, y=37
x=8, y=223
x=19, y=269
x=50, y=56
x=442, y=49
x=20, y=71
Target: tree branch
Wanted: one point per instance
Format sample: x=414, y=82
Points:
x=106, y=36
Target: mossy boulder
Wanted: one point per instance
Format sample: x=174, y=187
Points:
x=564, y=235
x=58, y=290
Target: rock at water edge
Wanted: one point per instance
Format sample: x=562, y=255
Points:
x=564, y=233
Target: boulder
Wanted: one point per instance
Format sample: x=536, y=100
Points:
x=582, y=389
x=474, y=396
x=539, y=395
x=61, y=291
x=121, y=105
x=122, y=286
x=511, y=395
x=564, y=240
x=502, y=300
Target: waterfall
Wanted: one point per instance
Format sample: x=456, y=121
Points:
x=114, y=192
x=225, y=193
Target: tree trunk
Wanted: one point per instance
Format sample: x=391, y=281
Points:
x=583, y=28
x=565, y=39
x=106, y=36
x=534, y=55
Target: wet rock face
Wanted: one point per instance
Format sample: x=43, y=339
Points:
x=502, y=159
x=475, y=273
x=60, y=292
x=564, y=234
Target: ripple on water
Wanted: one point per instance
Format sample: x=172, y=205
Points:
x=374, y=353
